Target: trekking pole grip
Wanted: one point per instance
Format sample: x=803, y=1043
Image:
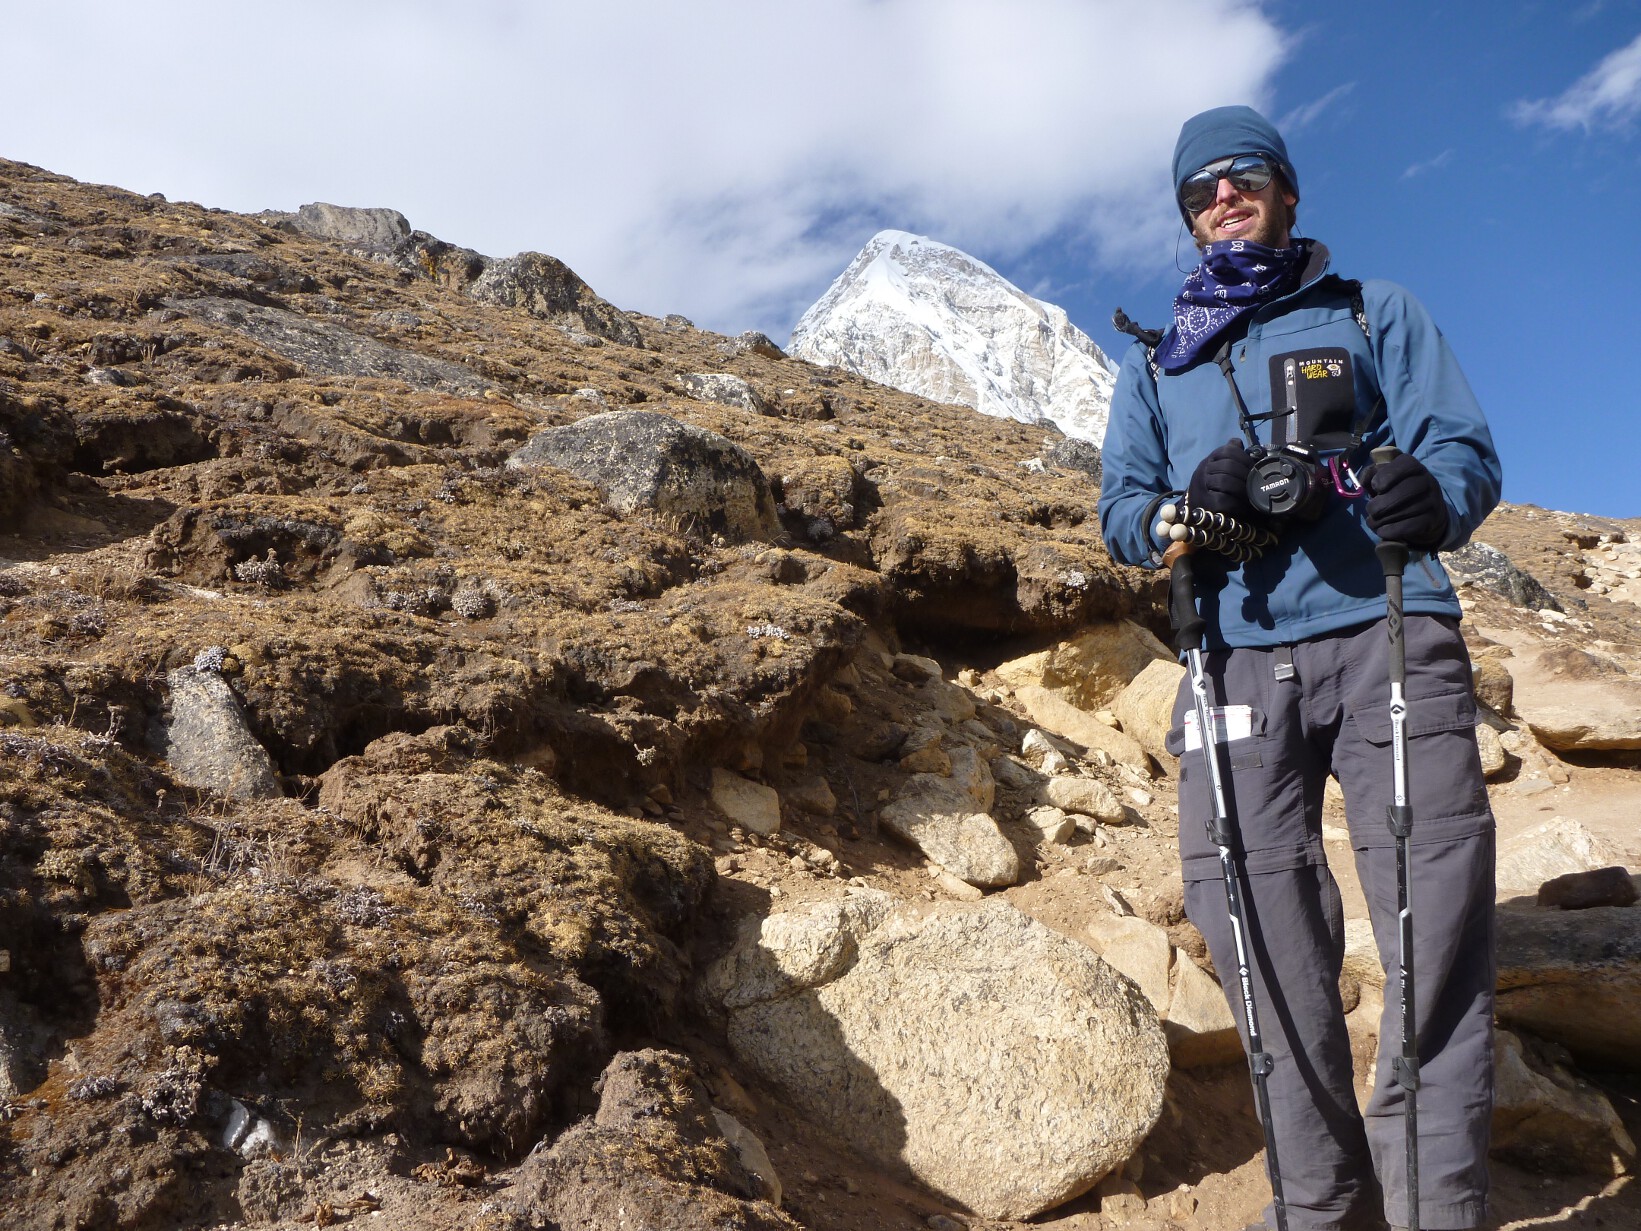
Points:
x=1392, y=555
x=1182, y=598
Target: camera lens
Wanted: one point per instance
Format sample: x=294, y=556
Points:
x=1287, y=483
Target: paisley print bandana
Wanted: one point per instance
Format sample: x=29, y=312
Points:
x=1235, y=277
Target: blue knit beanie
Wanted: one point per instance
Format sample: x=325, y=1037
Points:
x=1222, y=133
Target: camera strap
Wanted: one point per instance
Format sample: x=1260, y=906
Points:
x=1151, y=338
x=1329, y=442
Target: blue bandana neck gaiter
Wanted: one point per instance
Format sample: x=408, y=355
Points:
x=1236, y=276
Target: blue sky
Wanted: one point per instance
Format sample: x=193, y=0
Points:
x=726, y=158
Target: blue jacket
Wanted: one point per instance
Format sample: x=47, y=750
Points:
x=1321, y=575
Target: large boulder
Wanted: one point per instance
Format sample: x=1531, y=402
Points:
x=371, y=231
x=1558, y=847
x=1547, y=1118
x=1578, y=716
x=1479, y=564
x=1032, y=1071
x=749, y=804
x=209, y=744
x=1052, y=710
x=643, y=460
x=548, y=289
x=1146, y=707
x=1091, y=668
x=1574, y=977
x=1574, y=700
x=948, y=818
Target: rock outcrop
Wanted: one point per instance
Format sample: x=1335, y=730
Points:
x=642, y=460
x=1574, y=977
x=948, y=817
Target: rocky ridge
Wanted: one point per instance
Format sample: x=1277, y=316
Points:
x=469, y=763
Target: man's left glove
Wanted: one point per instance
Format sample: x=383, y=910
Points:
x=1405, y=504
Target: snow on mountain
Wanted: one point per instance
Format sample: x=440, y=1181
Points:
x=932, y=320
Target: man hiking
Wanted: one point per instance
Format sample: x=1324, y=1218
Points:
x=1244, y=432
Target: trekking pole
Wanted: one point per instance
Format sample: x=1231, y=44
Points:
x=1188, y=634
x=1393, y=559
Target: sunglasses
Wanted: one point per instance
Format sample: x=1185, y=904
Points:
x=1247, y=173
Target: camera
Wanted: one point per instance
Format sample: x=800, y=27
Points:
x=1290, y=481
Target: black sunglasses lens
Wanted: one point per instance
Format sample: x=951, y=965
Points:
x=1248, y=173
x=1197, y=193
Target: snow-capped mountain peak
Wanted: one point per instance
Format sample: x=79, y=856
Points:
x=931, y=319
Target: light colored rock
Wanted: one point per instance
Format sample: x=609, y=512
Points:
x=915, y=669
x=1199, y=1025
x=1361, y=967
x=1573, y=700
x=1052, y=823
x=1574, y=977
x=1006, y=1066
x=1553, y=849
x=1137, y=949
x=1027, y=670
x=1040, y=751
x=1494, y=760
x=1054, y=712
x=1146, y=706
x=1093, y=667
x=748, y=804
x=1087, y=797
x=208, y=741
x=1362, y=1026
x=752, y=1155
x=725, y=389
x=1546, y=1118
x=948, y=818
x=795, y=949
x=1583, y=717
x=249, y=1135
x=367, y=230
x=956, y=887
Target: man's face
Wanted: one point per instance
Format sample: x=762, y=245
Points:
x=1261, y=216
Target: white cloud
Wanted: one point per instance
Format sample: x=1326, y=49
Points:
x=1302, y=117
x=722, y=158
x=1429, y=164
x=1609, y=96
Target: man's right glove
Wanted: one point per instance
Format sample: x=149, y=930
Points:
x=1405, y=503
x=1220, y=482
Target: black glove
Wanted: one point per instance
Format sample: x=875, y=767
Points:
x=1405, y=503
x=1220, y=482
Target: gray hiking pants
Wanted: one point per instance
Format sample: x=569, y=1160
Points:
x=1330, y=712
